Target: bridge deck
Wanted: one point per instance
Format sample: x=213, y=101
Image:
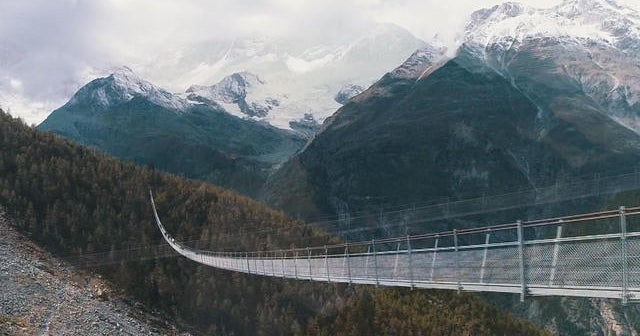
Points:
x=606, y=265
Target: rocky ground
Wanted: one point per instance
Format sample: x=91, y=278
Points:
x=40, y=295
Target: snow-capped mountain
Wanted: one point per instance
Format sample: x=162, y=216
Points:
x=599, y=20
x=565, y=80
x=122, y=86
x=239, y=94
x=422, y=62
x=128, y=117
x=347, y=92
x=282, y=80
x=583, y=45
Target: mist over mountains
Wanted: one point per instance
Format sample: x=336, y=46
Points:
x=531, y=100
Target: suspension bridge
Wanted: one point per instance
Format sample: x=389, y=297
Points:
x=587, y=255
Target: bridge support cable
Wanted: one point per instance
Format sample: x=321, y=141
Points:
x=542, y=260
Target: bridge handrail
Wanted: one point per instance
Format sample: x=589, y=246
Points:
x=570, y=265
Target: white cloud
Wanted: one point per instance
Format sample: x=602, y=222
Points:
x=49, y=48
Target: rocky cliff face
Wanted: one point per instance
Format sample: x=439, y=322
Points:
x=43, y=295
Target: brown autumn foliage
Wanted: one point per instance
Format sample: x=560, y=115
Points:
x=76, y=201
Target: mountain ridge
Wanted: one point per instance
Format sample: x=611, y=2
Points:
x=582, y=45
x=77, y=201
x=557, y=108
x=128, y=117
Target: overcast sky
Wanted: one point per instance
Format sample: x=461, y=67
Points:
x=50, y=47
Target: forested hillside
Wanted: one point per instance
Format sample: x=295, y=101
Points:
x=76, y=201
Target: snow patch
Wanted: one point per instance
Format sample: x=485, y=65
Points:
x=300, y=66
x=599, y=20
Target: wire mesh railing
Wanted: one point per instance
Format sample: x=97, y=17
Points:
x=590, y=255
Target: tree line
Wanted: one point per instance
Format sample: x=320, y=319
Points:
x=74, y=200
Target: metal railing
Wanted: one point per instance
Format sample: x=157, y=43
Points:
x=542, y=257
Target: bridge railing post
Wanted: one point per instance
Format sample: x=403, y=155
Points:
x=484, y=256
x=346, y=258
x=295, y=265
x=523, y=285
x=457, y=259
x=410, y=263
x=625, y=260
x=284, y=255
x=395, y=264
x=326, y=262
x=556, y=252
x=366, y=262
x=433, y=259
x=375, y=260
x=254, y=255
x=309, y=261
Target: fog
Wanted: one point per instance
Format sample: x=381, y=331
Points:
x=48, y=49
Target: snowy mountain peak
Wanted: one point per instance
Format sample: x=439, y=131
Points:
x=576, y=8
x=231, y=86
x=122, y=86
x=347, y=92
x=507, y=9
x=231, y=93
x=589, y=46
x=596, y=20
x=419, y=63
x=125, y=78
x=600, y=21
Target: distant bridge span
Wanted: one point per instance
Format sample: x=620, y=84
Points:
x=532, y=258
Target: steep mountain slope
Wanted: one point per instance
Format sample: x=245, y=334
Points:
x=532, y=95
x=130, y=118
x=459, y=130
x=586, y=46
x=76, y=201
x=520, y=105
